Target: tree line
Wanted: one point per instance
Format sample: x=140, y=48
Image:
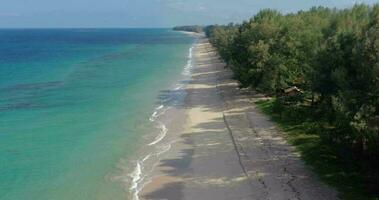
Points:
x=330, y=55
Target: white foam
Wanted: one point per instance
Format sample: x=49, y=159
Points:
x=136, y=177
x=190, y=53
x=164, y=149
x=153, y=116
x=146, y=157
x=187, y=68
x=136, y=174
x=155, y=113
x=161, y=135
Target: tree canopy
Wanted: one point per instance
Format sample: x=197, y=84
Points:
x=330, y=54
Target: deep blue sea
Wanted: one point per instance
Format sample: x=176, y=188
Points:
x=74, y=102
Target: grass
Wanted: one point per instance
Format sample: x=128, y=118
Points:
x=331, y=162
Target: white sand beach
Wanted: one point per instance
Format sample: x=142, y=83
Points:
x=226, y=149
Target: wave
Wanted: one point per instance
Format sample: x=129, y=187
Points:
x=153, y=116
x=138, y=175
x=155, y=113
x=179, y=87
x=187, y=68
x=161, y=135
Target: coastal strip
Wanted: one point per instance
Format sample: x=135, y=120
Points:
x=227, y=149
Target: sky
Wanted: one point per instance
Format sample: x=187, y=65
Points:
x=144, y=13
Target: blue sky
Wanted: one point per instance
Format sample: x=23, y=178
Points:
x=144, y=13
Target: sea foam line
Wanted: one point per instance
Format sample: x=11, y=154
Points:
x=161, y=135
x=137, y=178
x=136, y=175
x=155, y=113
x=187, y=68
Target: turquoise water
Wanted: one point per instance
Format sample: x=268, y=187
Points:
x=73, y=102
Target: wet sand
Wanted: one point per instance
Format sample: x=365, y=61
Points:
x=226, y=148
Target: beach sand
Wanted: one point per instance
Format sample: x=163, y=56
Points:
x=225, y=148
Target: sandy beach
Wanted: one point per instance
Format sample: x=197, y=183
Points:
x=227, y=149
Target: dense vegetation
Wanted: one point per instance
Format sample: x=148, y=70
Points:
x=332, y=56
x=195, y=29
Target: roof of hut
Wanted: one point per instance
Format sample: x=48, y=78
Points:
x=293, y=89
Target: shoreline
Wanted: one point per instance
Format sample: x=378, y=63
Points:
x=225, y=148
x=168, y=108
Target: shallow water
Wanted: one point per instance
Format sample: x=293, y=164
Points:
x=75, y=104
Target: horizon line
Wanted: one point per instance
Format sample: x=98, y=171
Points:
x=87, y=27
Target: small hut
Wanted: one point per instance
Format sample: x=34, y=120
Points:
x=292, y=91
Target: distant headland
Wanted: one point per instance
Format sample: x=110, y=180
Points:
x=193, y=28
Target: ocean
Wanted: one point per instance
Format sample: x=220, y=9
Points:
x=77, y=105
